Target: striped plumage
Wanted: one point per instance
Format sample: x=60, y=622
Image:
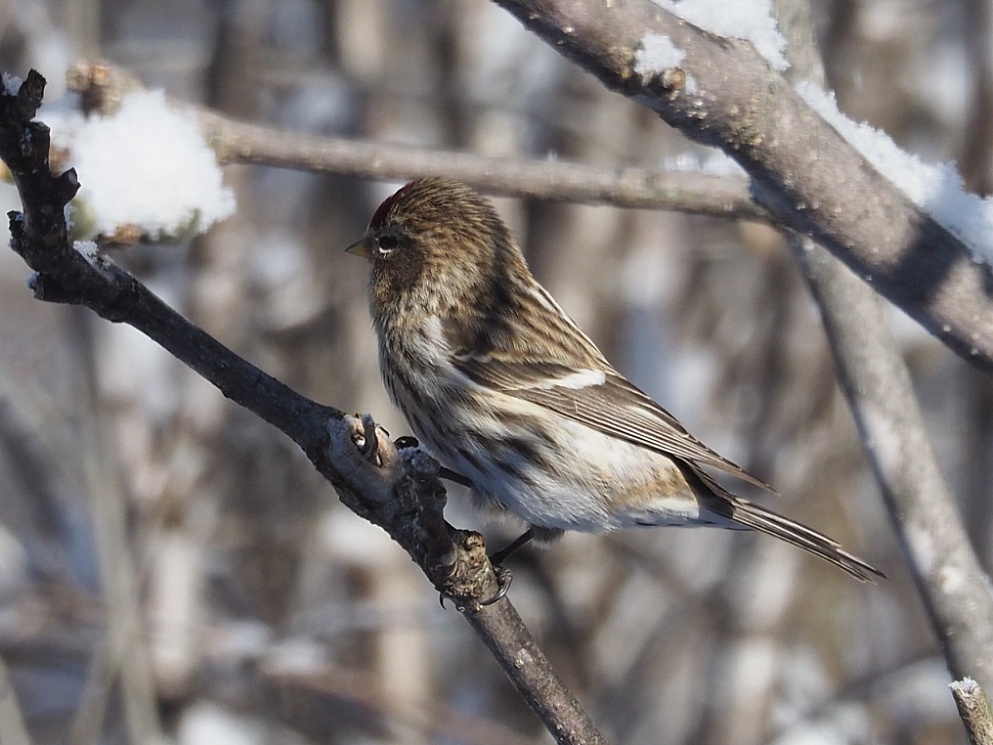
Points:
x=499, y=383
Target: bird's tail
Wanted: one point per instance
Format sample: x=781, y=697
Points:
x=747, y=514
x=759, y=518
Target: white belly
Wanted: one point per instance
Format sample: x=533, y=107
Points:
x=584, y=480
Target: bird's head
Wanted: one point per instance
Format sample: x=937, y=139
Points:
x=435, y=245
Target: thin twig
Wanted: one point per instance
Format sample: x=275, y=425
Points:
x=974, y=708
x=728, y=195
x=501, y=628
x=638, y=188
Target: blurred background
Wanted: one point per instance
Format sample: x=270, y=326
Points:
x=173, y=570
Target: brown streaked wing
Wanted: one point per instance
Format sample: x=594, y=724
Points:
x=616, y=408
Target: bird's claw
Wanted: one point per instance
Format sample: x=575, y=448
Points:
x=367, y=441
x=503, y=576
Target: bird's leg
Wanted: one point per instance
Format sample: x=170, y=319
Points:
x=500, y=555
x=409, y=441
x=504, y=577
x=449, y=475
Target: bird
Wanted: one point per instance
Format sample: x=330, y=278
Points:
x=501, y=386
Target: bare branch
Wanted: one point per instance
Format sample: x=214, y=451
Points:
x=640, y=188
x=454, y=561
x=875, y=380
x=233, y=142
x=398, y=490
x=796, y=160
x=877, y=385
x=500, y=627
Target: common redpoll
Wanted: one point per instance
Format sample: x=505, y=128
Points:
x=501, y=386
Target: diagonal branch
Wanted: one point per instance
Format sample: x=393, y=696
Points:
x=874, y=379
x=796, y=160
x=400, y=491
x=974, y=708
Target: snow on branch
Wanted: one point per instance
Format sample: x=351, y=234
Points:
x=144, y=165
x=803, y=171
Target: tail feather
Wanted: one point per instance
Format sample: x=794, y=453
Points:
x=755, y=517
x=759, y=518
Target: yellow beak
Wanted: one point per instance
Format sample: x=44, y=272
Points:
x=363, y=248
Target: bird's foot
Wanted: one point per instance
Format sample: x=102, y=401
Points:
x=504, y=578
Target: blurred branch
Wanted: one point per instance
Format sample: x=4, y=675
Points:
x=872, y=685
x=686, y=191
x=877, y=385
x=124, y=657
x=12, y=727
x=804, y=173
x=102, y=87
x=976, y=157
x=440, y=721
x=398, y=491
x=974, y=708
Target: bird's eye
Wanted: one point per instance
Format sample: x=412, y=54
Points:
x=386, y=243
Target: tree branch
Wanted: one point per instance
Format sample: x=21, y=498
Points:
x=234, y=142
x=879, y=391
x=399, y=491
x=974, y=708
x=804, y=173
x=638, y=188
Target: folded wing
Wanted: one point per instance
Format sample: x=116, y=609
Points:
x=603, y=400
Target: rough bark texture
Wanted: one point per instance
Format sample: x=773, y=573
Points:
x=875, y=380
x=804, y=172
